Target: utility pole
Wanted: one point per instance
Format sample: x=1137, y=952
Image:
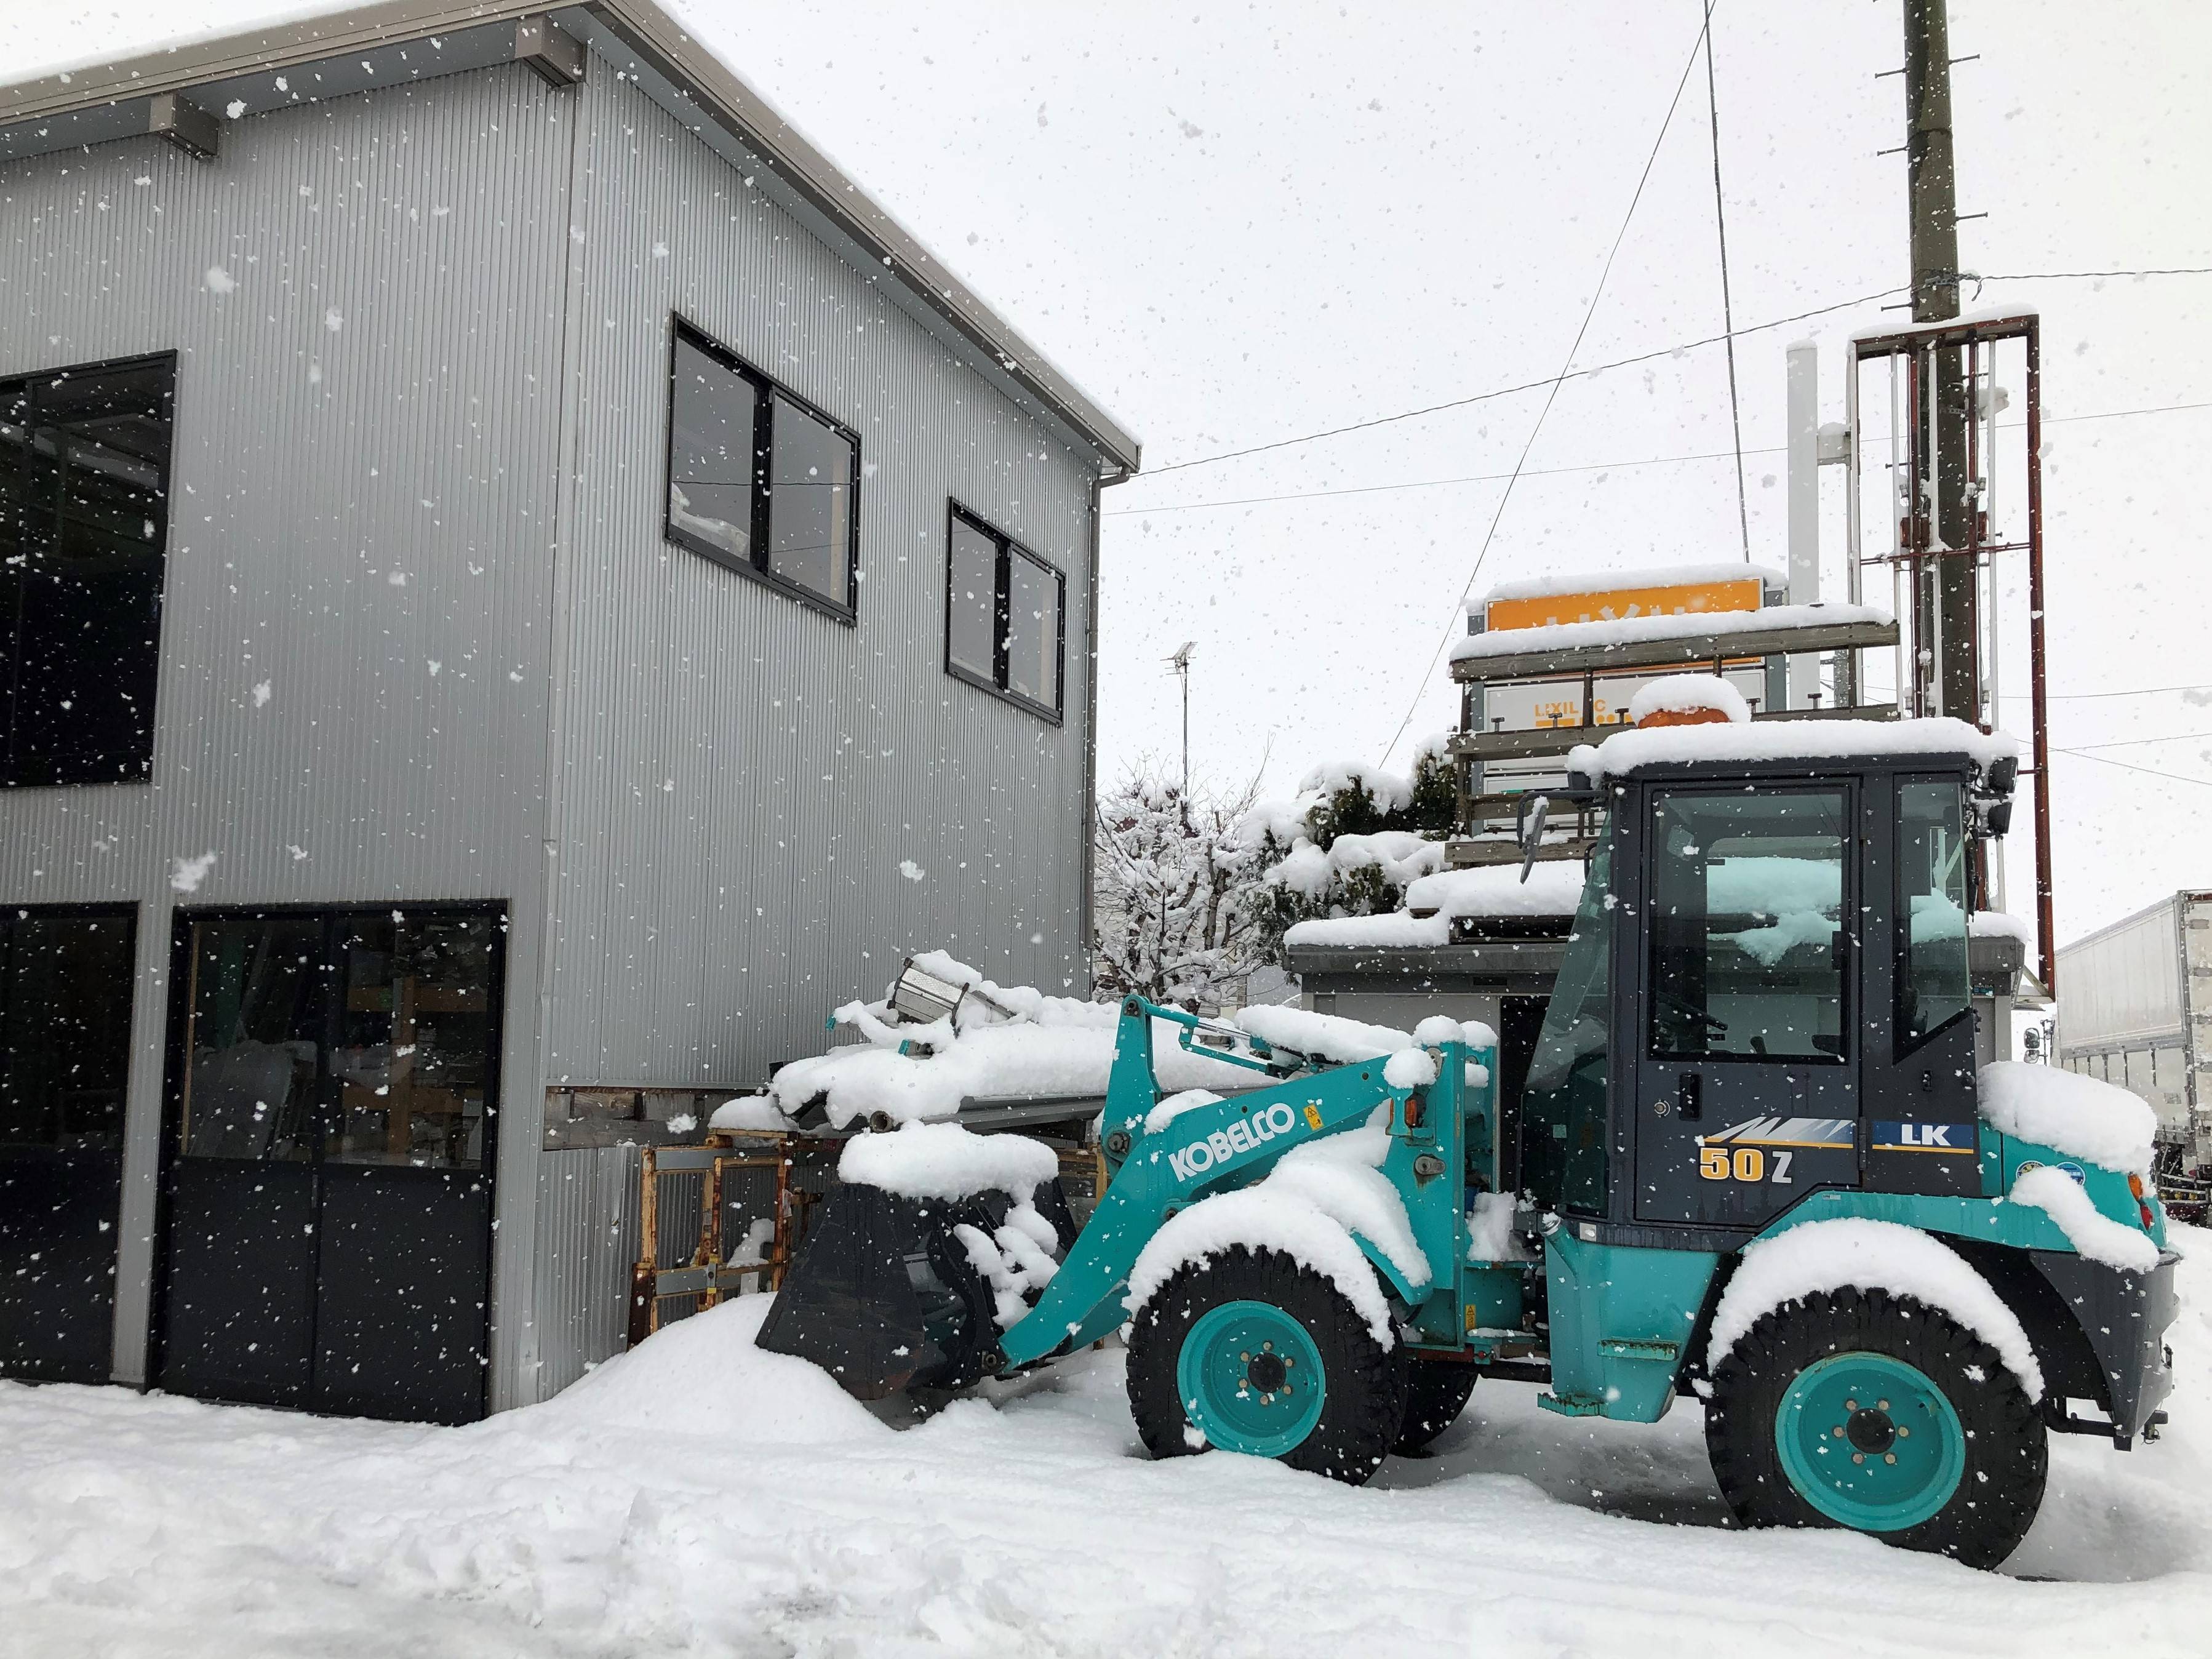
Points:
x=1947, y=632
x=1181, y=664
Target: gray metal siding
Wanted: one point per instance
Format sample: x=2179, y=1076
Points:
x=374, y=399
x=742, y=776
x=586, y=1226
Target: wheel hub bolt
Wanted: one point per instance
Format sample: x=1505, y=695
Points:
x=1889, y=1457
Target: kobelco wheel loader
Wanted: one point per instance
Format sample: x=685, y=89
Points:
x=1757, y=1170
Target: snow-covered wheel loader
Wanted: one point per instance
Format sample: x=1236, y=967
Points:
x=1755, y=1167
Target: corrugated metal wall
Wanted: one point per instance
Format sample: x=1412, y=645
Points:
x=742, y=776
x=361, y=520
x=418, y=491
x=586, y=1240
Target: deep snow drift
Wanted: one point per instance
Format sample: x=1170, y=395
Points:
x=700, y=1496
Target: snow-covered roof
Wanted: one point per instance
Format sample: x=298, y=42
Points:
x=1767, y=740
x=1554, y=888
x=1615, y=581
x=1619, y=631
x=239, y=70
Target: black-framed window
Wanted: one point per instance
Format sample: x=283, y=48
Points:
x=1748, y=949
x=759, y=480
x=1932, y=979
x=84, y=487
x=1005, y=614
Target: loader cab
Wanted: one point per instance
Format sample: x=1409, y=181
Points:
x=1764, y=993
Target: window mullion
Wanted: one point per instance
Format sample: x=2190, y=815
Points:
x=1001, y=615
x=764, y=450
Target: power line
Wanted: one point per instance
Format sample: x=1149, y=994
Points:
x=2133, y=743
x=1727, y=308
x=2124, y=766
x=1551, y=395
x=1582, y=466
x=2084, y=696
x=1515, y=390
x=1645, y=357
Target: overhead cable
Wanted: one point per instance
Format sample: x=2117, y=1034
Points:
x=1556, y=380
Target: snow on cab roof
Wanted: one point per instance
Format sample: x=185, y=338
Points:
x=1807, y=740
x=1617, y=581
x=1644, y=630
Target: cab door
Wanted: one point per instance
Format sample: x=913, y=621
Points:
x=1747, y=1049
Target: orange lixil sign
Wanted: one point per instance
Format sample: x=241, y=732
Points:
x=1607, y=605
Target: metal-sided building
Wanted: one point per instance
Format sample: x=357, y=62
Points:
x=518, y=586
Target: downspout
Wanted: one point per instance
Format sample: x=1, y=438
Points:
x=1089, y=905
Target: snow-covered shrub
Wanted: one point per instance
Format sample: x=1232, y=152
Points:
x=1351, y=840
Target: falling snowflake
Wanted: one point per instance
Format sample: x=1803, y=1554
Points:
x=261, y=693
x=185, y=875
x=220, y=281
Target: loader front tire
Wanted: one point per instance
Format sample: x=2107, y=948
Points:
x=1436, y=1392
x=1252, y=1352
x=1864, y=1409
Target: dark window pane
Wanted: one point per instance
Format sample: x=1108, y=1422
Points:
x=83, y=482
x=809, y=504
x=714, y=416
x=1746, y=951
x=972, y=602
x=1032, y=630
x=1931, y=910
x=64, y=1030
x=255, y=1039
x=413, y=1056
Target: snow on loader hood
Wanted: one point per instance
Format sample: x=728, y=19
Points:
x=2078, y=1115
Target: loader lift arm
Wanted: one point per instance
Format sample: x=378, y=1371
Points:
x=1231, y=1143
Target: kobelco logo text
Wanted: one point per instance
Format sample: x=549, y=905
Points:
x=1245, y=1135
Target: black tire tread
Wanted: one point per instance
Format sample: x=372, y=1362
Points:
x=1365, y=1402
x=2007, y=1451
x=1436, y=1392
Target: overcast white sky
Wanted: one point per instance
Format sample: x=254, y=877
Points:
x=1239, y=225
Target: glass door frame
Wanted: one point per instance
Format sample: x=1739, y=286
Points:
x=334, y=920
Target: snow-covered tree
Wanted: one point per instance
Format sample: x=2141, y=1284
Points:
x=1349, y=841
x=1178, y=899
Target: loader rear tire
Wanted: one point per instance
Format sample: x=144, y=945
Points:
x=1436, y=1392
x=1250, y=1352
x=1876, y=1411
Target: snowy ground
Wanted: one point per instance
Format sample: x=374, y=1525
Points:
x=702, y=1496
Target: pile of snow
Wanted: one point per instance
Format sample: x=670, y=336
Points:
x=1409, y=1068
x=1829, y=1255
x=1175, y=1105
x=1308, y=1207
x=945, y=1160
x=1015, y=1260
x=1554, y=888
x=1400, y=855
x=1048, y=1046
x=1439, y=1029
x=1490, y=1232
x=1325, y=1036
x=2093, y=1234
x=1784, y=740
x=1613, y=634
x=2079, y=1117
x=1688, y=694
x=690, y=1377
x=1999, y=924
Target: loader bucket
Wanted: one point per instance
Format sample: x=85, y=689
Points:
x=883, y=1298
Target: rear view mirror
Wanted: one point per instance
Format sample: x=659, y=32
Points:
x=1528, y=826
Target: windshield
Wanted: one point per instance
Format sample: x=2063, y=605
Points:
x=1563, y=1104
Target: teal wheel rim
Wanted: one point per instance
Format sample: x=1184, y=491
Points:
x=1251, y=1379
x=1870, y=1441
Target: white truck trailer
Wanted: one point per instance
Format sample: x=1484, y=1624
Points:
x=2135, y=1008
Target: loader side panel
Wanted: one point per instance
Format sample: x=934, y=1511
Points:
x=1621, y=1320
